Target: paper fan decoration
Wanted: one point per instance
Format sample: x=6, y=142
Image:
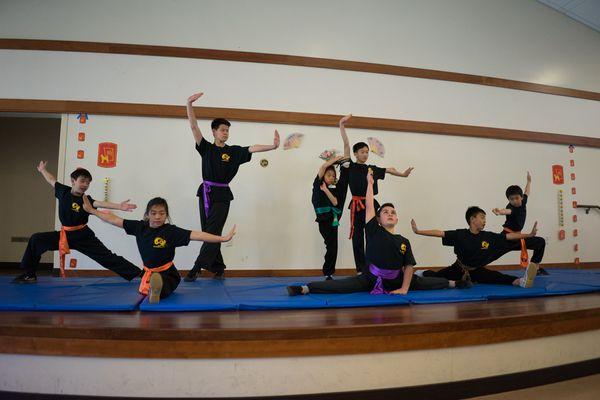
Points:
x=328, y=154
x=293, y=141
x=376, y=146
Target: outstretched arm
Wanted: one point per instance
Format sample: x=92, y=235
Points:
x=432, y=232
x=344, y=135
x=210, y=238
x=106, y=217
x=518, y=236
x=122, y=206
x=501, y=211
x=51, y=179
x=528, y=186
x=370, y=198
x=408, y=274
x=192, y=117
x=257, y=148
x=395, y=172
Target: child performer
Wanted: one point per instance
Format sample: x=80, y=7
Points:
x=156, y=241
x=74, y=233
x=516, y=213
x=476, y=248
x=390, y=258
x=220, y=164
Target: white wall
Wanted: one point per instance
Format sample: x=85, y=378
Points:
x=277, y=231
x=156, y=157
x=515, y=39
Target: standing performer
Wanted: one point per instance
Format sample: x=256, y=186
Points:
x=220, y=164
x=357, y=175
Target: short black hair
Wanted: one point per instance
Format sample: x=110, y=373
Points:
x=512, y=190
x=331, y=167
x=81, y=172
x=472, y=212
x=358, y=146
x=381, y=207
x=218, y=122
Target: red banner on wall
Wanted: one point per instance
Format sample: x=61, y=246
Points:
x=107, y=155
x=558, y=176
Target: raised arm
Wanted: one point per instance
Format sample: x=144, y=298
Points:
x=192, y=117
x=431, y=232
x=210, y=238
x=528, y=186
x=395, y=172
x=51, y=179
x=106, y=217
x=123, y=206
x=257, y=148
x=518, y=236
x=344, y=135
x=327, y=164
x=370, y=198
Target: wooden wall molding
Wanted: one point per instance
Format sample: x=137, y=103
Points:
x=298, y=61
x=289, y=117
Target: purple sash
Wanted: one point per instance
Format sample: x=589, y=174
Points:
x=206, y=185
x=382, y=274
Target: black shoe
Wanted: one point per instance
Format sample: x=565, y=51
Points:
x=294, y=290
x=191, y=276
x=329, y=278
x=542, y=271
x=219, y=275
x=25, y=278
x=464, y=284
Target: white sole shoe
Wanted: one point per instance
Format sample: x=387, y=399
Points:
x=156, y=284
x=530, y=274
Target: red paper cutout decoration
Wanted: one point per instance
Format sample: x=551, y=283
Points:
x=558, y=176
x=107, y=155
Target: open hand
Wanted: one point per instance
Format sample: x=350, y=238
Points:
x=230, y=235
x=194, y=97
x=345, y=119
x=127, y=206
x=534, y=229
x=42, y=166
x=413, y=225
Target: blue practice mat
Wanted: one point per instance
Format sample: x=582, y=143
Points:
x=70, y=294
x=116, y=294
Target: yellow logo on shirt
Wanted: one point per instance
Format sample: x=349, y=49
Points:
x=75, y=207
x=225, y=157
x=159, y=243
x=484, y=245
x=403, y=248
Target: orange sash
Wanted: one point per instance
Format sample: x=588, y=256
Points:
x=524, y=255
x=358, y=204
x=145, y=283
x=63, y=245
